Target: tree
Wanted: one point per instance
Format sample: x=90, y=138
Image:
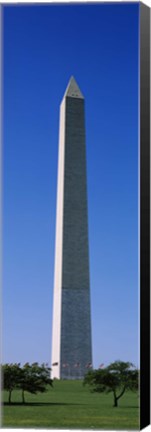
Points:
x=34, y=379
x=117, y=378
x=11, y=377
x=31, y=378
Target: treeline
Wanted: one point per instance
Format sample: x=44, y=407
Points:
x=32, y=378
x=116, y=378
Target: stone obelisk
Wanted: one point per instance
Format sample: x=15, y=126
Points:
x=71, y=335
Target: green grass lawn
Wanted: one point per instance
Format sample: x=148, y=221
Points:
x=71, y=405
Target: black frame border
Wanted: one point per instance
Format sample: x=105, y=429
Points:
x=144, y=215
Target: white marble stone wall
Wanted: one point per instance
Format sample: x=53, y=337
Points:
x=57, y=298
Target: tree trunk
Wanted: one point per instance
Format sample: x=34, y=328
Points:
x=10, y=392
x=23, y=397
x=115, y=400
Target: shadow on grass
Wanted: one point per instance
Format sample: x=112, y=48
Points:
x=58, y=404
x=129, y=406
x=39, y=404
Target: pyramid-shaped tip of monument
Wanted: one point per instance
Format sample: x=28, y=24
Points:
x=73, y=90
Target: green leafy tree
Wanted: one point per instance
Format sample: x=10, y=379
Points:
x=11, y=377
x=117, y=378
x=34, y=379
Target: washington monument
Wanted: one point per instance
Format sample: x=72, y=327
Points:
x=71, y=333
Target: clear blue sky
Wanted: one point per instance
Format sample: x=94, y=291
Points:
x=43, y=47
